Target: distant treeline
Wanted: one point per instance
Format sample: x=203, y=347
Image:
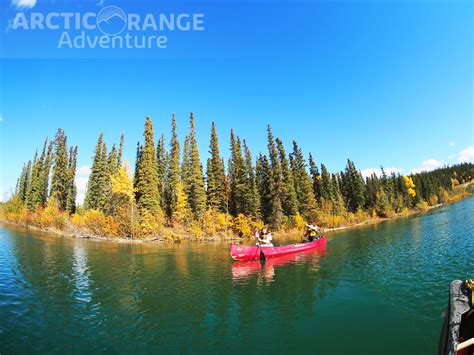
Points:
x=169, y=189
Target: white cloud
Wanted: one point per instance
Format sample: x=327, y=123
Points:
x=84, y=170
x=377, y=171
x=1, y=118
x=466, y=155
x=82, y=178
x=427, y=165
x=22, y=4
x=452, y=144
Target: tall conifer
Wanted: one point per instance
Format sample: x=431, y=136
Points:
x=60, y=179
x=148, y=194
x=215, y=175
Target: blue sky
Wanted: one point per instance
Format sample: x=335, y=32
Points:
x=383, y=83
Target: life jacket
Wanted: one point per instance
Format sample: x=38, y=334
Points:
x=311, y=232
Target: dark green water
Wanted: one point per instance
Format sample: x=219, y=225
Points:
x=377, y=289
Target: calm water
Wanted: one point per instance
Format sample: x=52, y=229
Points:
x=375, y=289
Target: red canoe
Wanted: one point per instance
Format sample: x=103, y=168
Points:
x=249, y=252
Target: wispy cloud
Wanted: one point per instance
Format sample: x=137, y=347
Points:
x=466, y=155
x=377, y=171
x=82, y=177
x=452, y=144
x=24, y=4
x=427, y=165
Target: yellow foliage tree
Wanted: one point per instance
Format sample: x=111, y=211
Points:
x=408, y=181
x=183, y=213
x=122, y=184
x=123, y=201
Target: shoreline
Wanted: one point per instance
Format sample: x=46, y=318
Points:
x=162, y=239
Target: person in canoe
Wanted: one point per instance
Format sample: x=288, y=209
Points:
x=264, y=238
x=311, y=233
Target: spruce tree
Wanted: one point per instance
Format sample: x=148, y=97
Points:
x=215, y=175
x=276, y=212
x=60, y=179
x=137, y=164
x=237, y=177
x=98, y=187
x=338, y=200
x=252, y=196
x=29, y=201
x=316, y=177
x=120, y=151
x=173, y=171
x=289, y=199
x=112, y=161
x=35, y=187
x=148, y=194
x=265, y=184
x=195, y=178
x=44, y=175
x=24, y=181
x=327, y=191
x=303, y=184
x=354, y=187
x=161, y=162
x=72, y=190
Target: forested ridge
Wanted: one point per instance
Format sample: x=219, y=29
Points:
x=170, y=192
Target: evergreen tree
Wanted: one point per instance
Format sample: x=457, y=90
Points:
x=23, y=183
x=120, y=151
x=137, y=164
x=60, y=179
x=327, y=191
x=161, y=168
x=72, y=190
x=44, y=175
x=264, y=183
x=354, y=187
x=303, y=184
x=98, y=187
x=186, y=165
x=276, y=211
x=215, y=175
x=237, y=177
x=173, y=171
x=252, y=198
x=338, y=200
x=112, y=161
x=316, y=177
x=194, y=179
x=147, y=192
x=35, y=187
x=289, y=199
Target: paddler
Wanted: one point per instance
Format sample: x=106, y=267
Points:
x=311, y=233
x=265, y=237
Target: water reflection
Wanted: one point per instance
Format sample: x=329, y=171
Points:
x=266, y=269
x=62, y=295
x=81, y=277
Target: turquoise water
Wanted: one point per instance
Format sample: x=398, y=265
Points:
x=375, y=289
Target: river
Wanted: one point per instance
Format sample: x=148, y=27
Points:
x=375, y=289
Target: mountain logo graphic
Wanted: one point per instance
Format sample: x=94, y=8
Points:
x=111, y=20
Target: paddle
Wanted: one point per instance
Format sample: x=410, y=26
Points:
x=262, y=255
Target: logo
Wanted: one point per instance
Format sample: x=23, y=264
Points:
x=111, y=27
x=111, y=20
